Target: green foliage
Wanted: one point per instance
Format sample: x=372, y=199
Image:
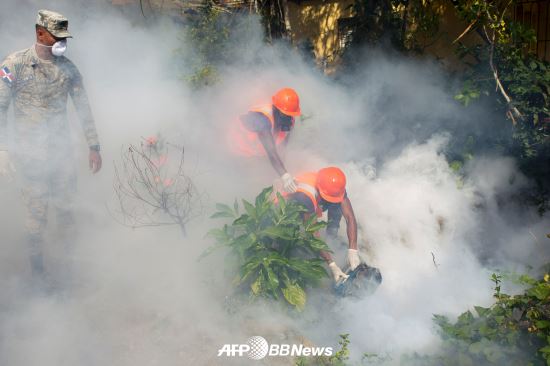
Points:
x=217, y=34
x=468, y=93
x=276, y=251
x=406, y=24
x=207, y=33
x=513, y=331
x=525, y=80
x=341, y=357
x=337, y=359
x=503, y=71
x=342, y=354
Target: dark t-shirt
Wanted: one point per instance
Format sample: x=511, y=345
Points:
x=304, y=200
x=256, y=122
x=334, y=210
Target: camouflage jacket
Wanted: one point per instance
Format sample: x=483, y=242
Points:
x=39, y=90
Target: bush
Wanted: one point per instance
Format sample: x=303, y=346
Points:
x=277, y=252
x=513, y=331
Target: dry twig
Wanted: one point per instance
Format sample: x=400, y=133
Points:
x=465, y=31
x=149, y=193
x=513, y=113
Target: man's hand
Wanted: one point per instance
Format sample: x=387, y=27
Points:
x=94, y=161
x=6, y=166
x=337, y=273
x=353, y=258
x=288, y=183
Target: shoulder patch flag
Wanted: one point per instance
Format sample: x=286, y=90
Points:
x=6, y=75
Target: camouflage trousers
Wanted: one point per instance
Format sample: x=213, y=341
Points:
x=45, y=187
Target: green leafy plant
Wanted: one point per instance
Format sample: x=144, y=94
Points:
x=502, y=70
x=515, y=330
x=277, y=252
x=342, y=355
x=207, y=32
x=337, y=359
x=502, y=67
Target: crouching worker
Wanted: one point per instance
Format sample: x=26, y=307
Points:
x=322, y=191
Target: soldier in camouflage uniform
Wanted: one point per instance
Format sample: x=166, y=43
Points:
x=39, y=80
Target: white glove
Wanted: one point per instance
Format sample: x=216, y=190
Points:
x=353, y=258
x=288, y=183
x=337, y=272
x=6, y=167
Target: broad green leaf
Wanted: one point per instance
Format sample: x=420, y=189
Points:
x=542, y=324
x=487, y=331
x=277, y=232
x=263, y=197
x=281, y=202
x=541, y=291
x=250, y=210
x=312, y=220
x=223, y=211
x=481, y=311
x=316, y=227
x=218, y=234
x=221, y=214
x=223, y=207
x=319, y=245
x=243, y=241
x=295, y=295
x=272, y=279
x=278, y=258
x=242, y=220
x=499, y=319
x=256, y=286
x=250, y=268
x=312, y=269
x=465, y=317
x=527, y=280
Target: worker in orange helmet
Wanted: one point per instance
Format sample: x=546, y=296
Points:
x=325, y=190
x=266, y=127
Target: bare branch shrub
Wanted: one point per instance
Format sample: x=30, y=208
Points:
x=152, y=187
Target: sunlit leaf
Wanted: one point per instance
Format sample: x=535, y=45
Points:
x=295, y=295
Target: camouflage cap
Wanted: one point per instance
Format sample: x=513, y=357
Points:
x=54, y=23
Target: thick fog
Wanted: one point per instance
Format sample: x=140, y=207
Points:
x=143, y=298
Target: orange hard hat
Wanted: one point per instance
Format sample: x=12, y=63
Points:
x=331, y=183
x=286, y=100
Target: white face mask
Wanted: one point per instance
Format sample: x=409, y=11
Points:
x=58, y=48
